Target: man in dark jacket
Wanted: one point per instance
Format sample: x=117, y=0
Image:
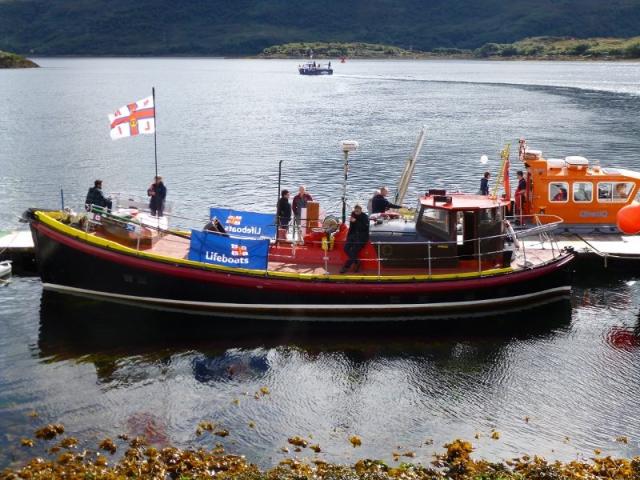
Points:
x=284, y=210
x=96, y=197
x=484, y=184
x=357, y=237
x=158, y=192
x=379, y=204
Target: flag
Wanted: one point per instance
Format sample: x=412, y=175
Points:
x=242, y=223
x=229, y=251
x=133, y=119
x=507, y=187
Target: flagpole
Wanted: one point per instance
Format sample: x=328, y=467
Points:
x=155, y=128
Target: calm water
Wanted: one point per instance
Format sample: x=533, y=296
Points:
x=571, y=369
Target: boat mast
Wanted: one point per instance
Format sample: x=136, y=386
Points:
x=347, y=146
x=405, y=177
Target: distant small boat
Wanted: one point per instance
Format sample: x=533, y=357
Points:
x=315, y=68
x=343, y=59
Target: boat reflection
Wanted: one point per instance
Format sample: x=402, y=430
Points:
x=105, y=334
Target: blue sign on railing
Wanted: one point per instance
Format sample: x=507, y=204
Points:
x=229, y=251
x=250, y=224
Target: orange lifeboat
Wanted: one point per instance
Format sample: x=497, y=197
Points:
x=586, y=196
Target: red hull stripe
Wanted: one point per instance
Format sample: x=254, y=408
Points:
x=300, y=286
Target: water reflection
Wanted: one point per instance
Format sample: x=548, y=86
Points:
x=394, y=384
x=104, y=333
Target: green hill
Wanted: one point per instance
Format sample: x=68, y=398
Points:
x=247, y=27
x=11, y=60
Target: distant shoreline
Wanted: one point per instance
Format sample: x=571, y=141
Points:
x=537, y=48
x=337, y=59
x=12, y=60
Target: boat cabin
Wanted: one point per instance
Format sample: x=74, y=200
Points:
x=449, y=230
x=580, y=193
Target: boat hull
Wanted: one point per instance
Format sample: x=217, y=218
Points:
x=73, y=266
x=315, y=72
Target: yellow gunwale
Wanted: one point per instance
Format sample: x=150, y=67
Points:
x=48, y=218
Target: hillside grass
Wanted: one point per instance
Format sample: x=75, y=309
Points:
x=11, y=60
x=544, y=48
x=562, y=47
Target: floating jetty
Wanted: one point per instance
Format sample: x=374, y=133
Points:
x=18, y=247
x=607, y=251
x=613, y=251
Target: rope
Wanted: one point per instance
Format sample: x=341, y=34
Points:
x=607, y=255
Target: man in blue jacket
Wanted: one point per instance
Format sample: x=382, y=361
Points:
x=96, y=197
x=379, y=204
x=158, y=192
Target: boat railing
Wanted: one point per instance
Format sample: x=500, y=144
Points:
x=126, y=200
x=513, y=248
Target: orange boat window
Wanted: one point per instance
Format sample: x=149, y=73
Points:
x=582, y=192
x=614, y=192
x=558, y=192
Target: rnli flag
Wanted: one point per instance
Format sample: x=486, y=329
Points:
x=133, y=119
x=245, y=224
x=229, y=251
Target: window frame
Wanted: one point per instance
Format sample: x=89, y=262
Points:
x=573, y=192
x=614, y=184
x=566, y=188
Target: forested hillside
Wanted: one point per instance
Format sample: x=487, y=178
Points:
x=246, y=27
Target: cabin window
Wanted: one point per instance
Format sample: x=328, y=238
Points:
x=614, y=192
x=436, y=218
x=582, y=192
x=490, y=215
x=558, y=192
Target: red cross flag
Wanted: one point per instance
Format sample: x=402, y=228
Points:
x=133, y=119
x=239, y=250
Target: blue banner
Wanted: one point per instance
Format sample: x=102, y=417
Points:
x=219, y=249
x=250, y=224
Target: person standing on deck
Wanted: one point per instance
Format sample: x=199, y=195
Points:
x=484, y=184
x=370, y=202
x=300, y=202
x=379, y=204
x=521, y=192
x=158, y=193
x=357, y=237
x=96, y=197
x=284, y=210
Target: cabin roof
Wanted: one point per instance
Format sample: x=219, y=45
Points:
x=587, y=172
x=462, y=201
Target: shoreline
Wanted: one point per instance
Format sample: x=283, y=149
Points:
x=126, y=458
x=528, y=58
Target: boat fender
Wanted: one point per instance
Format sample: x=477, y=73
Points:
x=325, y=243
x=512, y=234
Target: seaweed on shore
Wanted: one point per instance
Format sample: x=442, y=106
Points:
x=146, y=462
